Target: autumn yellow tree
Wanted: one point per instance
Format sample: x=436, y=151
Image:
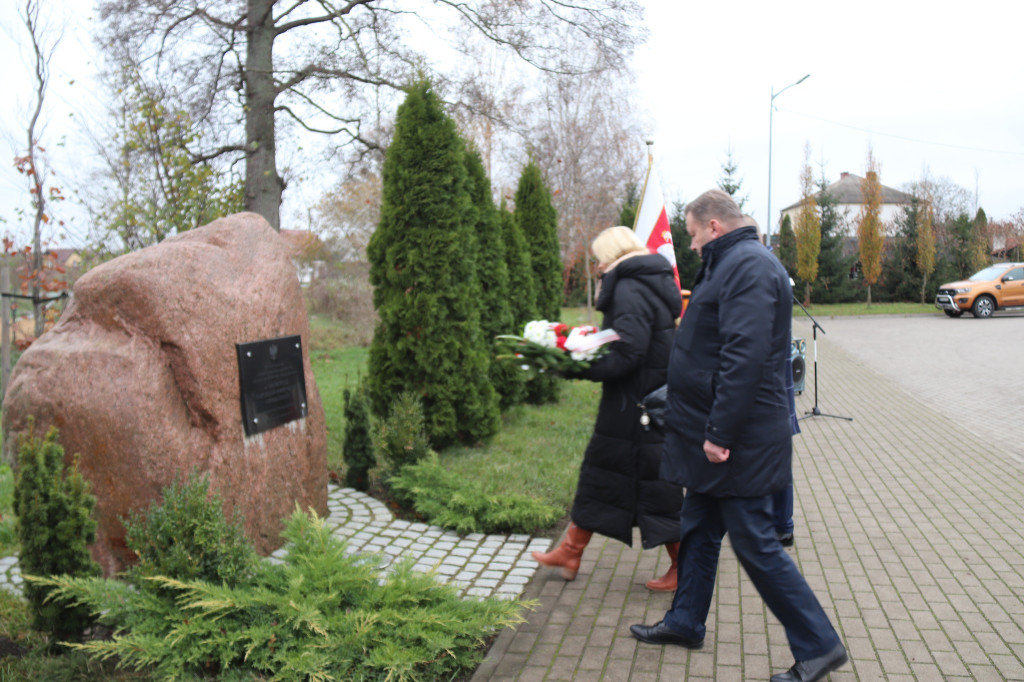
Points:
x=925, y=257
x=808, y=229
x=869, y=229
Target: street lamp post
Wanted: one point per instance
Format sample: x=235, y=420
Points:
x=771, y=111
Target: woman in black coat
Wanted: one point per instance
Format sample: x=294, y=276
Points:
x=618, y=485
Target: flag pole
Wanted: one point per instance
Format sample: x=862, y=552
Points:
x=643, y=192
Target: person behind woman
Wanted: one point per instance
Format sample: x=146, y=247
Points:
x=618, y=486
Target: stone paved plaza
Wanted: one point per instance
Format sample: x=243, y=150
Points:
x=909, y=527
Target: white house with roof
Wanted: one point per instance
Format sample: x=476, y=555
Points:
x=850, y=202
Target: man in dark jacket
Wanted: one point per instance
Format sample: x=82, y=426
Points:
x=729, y=438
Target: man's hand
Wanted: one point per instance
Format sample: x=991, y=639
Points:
x=716, y=453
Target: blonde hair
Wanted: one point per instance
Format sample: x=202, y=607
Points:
x=615, y=242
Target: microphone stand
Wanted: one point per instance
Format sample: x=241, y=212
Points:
x=816, y=411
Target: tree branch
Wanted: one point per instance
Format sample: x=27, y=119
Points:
x=332, y=14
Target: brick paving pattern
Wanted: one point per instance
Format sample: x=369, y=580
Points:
x=909, y=527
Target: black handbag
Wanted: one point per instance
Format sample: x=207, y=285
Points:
x=652, y=409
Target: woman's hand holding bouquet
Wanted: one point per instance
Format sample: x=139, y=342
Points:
x=555, y=347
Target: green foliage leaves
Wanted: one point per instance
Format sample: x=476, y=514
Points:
x=321, y=614
x=807, y=229
x=536, y=218
x=358, y=446
x=687, y=260
x=55, y=527
x=159, y=189
x=185, y=535
x=424, y=267
x=401, y=437
x=787, y=245
x=449, y=500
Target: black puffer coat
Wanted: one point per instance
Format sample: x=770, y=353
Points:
x=619, y=486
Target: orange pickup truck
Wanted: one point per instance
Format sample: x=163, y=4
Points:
x=995, y=288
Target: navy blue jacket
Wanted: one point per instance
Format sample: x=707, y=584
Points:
x=727, y=373
x=619, y=486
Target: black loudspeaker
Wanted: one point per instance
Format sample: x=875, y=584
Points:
x=797, y=357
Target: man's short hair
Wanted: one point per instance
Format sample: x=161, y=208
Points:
x=714, y=204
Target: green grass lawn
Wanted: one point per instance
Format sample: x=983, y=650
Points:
x=539, y=447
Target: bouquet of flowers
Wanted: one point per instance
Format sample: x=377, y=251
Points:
x=555, y=347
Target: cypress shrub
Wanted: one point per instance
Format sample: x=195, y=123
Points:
x=509, y=379
x=535, y=215
x=186, y=536
x=787, y=246
x=357, y=448
x=496, y=311
x=522, y=290
x=401, y=437
x=55, y=526
x=423, y=265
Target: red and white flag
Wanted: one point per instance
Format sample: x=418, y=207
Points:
x=651, y=224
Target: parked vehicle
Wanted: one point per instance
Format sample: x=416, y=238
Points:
x=997, y=287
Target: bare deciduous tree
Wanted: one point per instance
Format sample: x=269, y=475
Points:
x=37, y=276
x=241, y=65
x=588, y=146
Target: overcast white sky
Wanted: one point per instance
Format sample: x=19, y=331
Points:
x=929, y=87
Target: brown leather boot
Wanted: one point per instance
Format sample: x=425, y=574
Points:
x=667, y=582
x=567, y=555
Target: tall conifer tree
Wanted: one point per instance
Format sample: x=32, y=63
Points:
x=536, y=218
x=687, y=259
x=496, y=313
x=522, y=290
x=835, y=264
x=511, y=381
x=787, y=245
x=496, y=309
x=423, y=265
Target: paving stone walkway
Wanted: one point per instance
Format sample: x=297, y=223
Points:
x=480, y=565
x=909, y=528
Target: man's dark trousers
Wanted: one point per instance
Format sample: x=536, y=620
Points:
x=748, y=520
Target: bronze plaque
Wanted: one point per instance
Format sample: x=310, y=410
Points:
x=272, y=382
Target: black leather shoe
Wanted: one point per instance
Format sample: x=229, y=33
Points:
x=815, y=668
x=659, y=633
x=785, y=538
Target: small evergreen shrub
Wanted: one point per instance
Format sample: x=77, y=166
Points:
x=8, y=531
x=446, y=499
x=357, y=448
x=323, y=614
x=55, y=526
x=402, y=437
x=185, y=536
